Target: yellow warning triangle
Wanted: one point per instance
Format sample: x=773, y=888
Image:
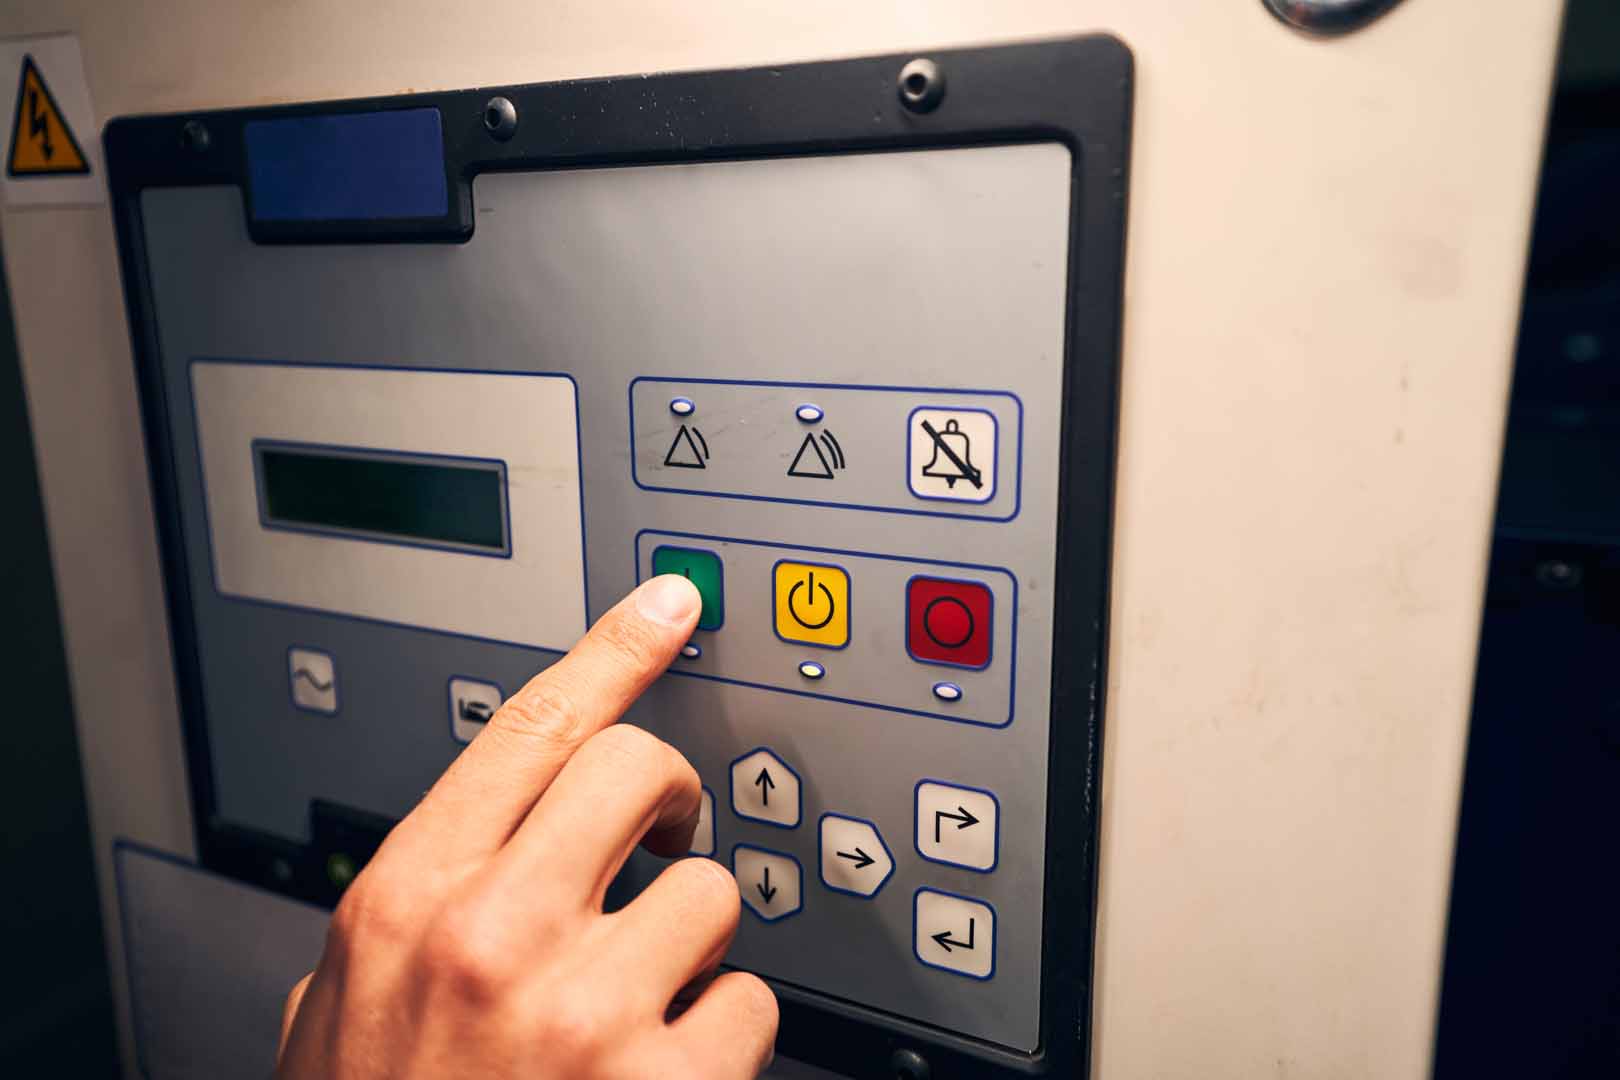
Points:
x=42, y=144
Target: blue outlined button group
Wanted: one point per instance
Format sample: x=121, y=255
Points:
x=954, y=825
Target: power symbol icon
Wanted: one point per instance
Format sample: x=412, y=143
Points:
x=809, y=586
x=812, y=603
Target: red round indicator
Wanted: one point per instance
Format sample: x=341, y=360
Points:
x=948, y=622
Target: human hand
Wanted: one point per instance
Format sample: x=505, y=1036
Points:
x=474, y=942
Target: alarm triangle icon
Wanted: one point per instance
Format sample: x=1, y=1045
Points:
x=810, y=462
x=689, y=450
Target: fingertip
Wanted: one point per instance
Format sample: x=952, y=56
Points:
x=670, y=600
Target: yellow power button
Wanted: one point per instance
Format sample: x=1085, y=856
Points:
x=812, y=604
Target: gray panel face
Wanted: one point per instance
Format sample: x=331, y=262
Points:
x=936, y=269
x=206, y=997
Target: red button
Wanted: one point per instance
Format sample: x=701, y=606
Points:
x=948, y=622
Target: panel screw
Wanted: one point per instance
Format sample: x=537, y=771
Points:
x=500, y=118
x=1328, y=17
x=909, y=1065
x=194, y=136
x=1558, y=574
x=922, y=86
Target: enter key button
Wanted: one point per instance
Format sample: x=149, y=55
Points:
x=954, y=933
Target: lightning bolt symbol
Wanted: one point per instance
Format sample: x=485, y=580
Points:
x=37, y=126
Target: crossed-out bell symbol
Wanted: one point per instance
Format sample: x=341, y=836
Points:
x=957, y=463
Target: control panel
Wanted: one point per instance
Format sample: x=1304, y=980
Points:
x=857, y=385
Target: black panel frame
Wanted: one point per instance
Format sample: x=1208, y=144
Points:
x=1077, y=91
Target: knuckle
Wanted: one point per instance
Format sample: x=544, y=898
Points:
x=632, y=747
x=575, y=1029
x=629, y=641
x=629, y=743
x=649, y=758
x=544, y=711
x=370, y=912
x=470, y=959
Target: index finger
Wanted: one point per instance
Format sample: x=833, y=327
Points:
x=486, y=793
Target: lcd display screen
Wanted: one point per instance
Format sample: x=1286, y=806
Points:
x=378, y=495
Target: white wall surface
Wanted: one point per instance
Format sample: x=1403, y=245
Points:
x=1325, y=252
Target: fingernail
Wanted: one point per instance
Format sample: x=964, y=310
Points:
x=668, y=599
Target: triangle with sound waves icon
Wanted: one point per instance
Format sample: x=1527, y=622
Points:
x=684, y=453
x=810, y=462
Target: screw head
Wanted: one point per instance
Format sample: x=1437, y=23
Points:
x=1559, y=575
x=500, y=118
x=921, y=85
x=1328, y=17
x=909, y=1065
x=194, y=136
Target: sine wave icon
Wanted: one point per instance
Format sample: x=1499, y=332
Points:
x=311, y=678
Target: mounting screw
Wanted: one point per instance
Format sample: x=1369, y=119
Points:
x=1328, y=17
x=1558, y=575
x=500, y=118
x=922, y=87
x=194, y=136
x=909, y=1065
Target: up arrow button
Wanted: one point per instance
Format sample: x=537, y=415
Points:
x=763, y=788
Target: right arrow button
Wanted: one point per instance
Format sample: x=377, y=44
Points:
x=854, y=858
x=957, y=825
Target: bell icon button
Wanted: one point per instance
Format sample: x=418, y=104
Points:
x=952, y=454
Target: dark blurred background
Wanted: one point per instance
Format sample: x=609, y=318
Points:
x=1532, y=969
x=1532, y=977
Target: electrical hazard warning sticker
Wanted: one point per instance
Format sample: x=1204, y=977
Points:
x=52, y=155
x=41, y=142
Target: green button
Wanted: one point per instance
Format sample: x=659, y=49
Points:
x=701, y=568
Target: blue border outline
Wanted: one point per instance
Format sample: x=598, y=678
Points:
x=797, y=865
x=720, y=580
x=995, y=917
x=337, y=690
x=916, y=825
x=1012, y=656
x=849, y=614
x=990, y=652
x=714, y=827
x=1018, y=457
x=821, y=855
x=995, y=436
x=798, y=793
x=452, y=701
x=402, y=457
x=208, y=526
